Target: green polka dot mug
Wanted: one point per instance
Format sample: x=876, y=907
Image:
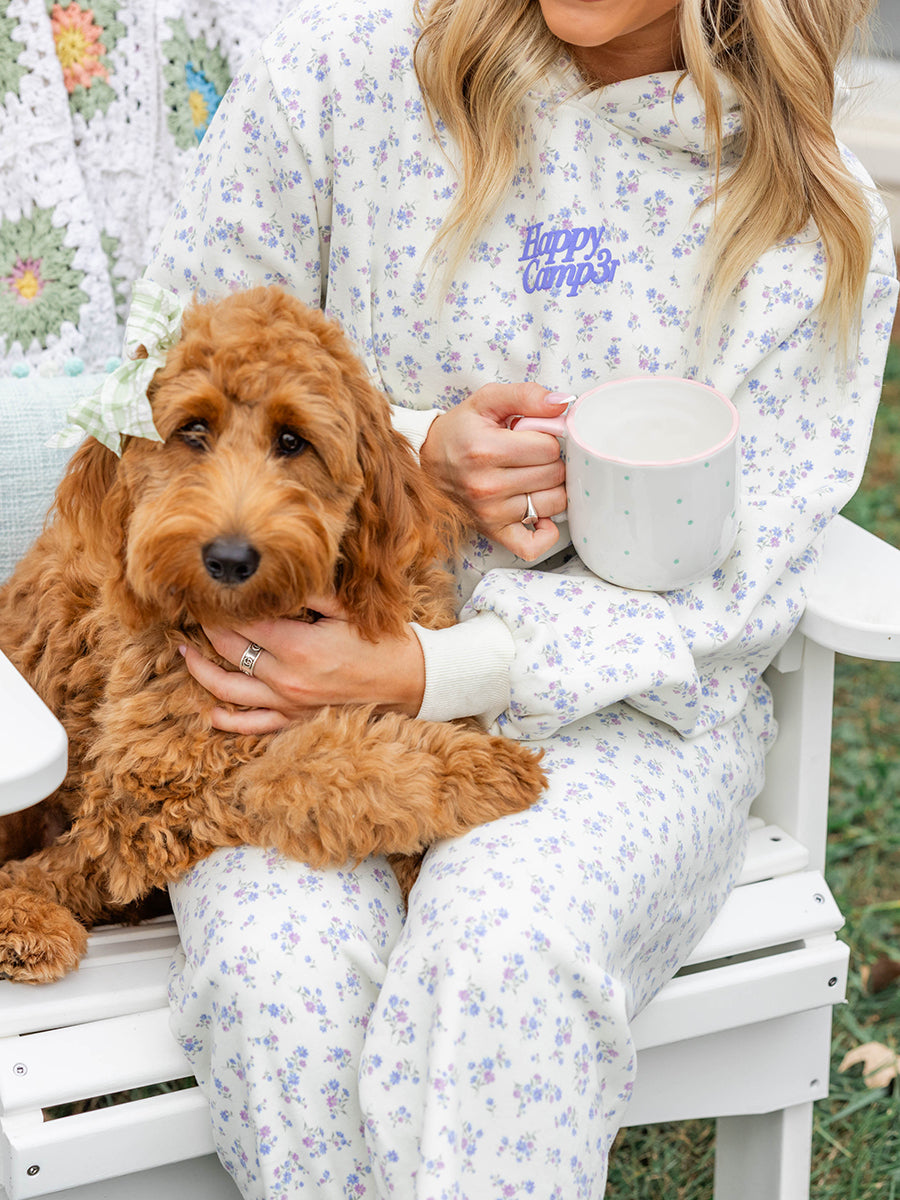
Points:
x=652, y=476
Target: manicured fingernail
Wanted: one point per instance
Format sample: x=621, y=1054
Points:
x=558, y=398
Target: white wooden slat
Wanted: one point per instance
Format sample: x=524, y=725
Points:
x=124, y=971
x=103, y=1143
x=118, y=943
x=755, y=1069
x=731, y=995
x=193, y=1179
x=94, y=1059
x=771, y=852
x=773, y=912
x=80, y=998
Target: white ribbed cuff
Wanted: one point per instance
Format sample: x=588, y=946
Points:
x=466, y=669
x=413, y=423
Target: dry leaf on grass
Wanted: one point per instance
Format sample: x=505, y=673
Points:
x=881, y=1065
x=881, y=974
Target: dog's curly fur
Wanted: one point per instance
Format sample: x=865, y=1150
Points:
x=274, y=439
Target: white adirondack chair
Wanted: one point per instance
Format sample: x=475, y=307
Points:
x=742, y=1034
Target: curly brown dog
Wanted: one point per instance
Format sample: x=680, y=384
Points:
x=277, y=447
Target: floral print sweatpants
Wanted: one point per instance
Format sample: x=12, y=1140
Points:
x=477, y=1048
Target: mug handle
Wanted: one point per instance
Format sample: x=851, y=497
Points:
x=554, y=425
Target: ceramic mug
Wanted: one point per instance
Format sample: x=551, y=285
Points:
x=652, y=477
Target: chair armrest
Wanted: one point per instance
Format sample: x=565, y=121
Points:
x=33, y=744
x=853, y=605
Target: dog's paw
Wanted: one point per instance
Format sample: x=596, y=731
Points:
x=39, y=939
x=513, y=773
x=485, y=777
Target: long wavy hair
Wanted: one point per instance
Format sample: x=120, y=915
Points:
x=476, y=61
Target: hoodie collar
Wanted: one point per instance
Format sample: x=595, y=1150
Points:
x=662, y=110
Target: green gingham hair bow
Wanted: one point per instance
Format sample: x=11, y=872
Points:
x=120, y=405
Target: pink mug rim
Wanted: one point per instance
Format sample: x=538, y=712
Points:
x=654, y=462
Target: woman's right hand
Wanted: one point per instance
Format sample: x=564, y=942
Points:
x=472, y=453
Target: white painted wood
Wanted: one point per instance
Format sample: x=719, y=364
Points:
x=771, y=852
x=734, y=994
x=795, y=796
x=774, y=912
x=766, y=1155
x=103, y=1143
x=192, y=1179
x=122, y=943
x=95, y=1059
x=758, y=1068
x=854, y=601
x=33, y=745
x=125, y=971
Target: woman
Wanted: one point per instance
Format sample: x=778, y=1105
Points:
x=504, y=203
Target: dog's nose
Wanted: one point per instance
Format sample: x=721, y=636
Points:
x=230, y=560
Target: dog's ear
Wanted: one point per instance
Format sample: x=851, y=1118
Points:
x=93, y=502
x=83, y=490
x=403, y=525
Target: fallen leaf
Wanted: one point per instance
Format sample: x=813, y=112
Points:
x=882, y=974
x=881, y=1065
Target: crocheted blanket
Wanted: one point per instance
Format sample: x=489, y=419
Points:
x=102, y=106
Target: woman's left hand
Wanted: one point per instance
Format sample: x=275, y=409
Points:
x=305, y=666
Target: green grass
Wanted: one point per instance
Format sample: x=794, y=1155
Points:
x=856, y=1140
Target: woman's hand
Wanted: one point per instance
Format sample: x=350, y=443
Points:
x=305, y=666
x=493, y=470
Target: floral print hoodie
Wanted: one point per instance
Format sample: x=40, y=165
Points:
x=322, y=172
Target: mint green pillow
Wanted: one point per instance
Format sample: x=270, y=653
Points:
x=31, y=409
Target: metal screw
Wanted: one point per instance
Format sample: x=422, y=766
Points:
x=832, y=981
x=813, y=1083
x=20, y=1069
x=819, y=898
x=33, y=1170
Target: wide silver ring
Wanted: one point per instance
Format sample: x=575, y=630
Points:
x=531, y=518
x=249, y=657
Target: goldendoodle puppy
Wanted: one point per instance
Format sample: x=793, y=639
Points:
x=279, y=461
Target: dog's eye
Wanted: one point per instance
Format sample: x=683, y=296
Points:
x=194, y=434
x=289, y=443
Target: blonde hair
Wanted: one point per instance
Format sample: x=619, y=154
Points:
x=476, y=60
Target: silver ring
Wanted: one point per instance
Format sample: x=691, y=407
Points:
x=249, y=657
x=531, y=518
